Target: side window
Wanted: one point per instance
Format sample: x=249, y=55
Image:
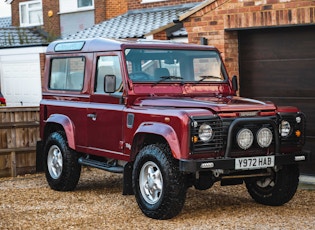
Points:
x=108, y=65
x=67, y=73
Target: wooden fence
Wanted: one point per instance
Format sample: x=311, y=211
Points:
x=19, y=132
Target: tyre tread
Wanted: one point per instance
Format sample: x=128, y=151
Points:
x=174, y=192
x=71, y=168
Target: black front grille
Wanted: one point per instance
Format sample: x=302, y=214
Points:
x=216, y=144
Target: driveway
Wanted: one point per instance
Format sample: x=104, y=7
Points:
x=26, y=202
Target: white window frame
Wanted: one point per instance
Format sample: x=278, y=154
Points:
x=28, y=10
x=71, y=6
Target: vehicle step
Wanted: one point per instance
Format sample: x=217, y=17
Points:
x=100, y=165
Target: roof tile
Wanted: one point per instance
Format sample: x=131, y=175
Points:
x=5, y=22
x=135, y=24
x=15, y=36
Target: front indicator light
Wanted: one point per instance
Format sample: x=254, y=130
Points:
x=297, y=133
x=194, y=139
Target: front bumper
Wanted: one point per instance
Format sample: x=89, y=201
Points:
x=191, y=166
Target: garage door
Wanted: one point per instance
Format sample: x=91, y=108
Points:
x=279, y=65
x=20, y=77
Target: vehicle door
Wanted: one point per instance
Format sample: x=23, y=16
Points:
x=105, y=132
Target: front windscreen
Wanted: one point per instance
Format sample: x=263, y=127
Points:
x=161, y=65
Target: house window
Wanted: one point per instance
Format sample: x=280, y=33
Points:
x=84, y=3
x=70, y=6
x=31, y=13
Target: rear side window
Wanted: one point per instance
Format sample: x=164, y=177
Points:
x=67, y=73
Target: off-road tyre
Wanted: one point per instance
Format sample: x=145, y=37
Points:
x=277, y=189
x=157, y=171
x=61, y=165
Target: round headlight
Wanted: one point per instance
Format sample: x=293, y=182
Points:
x=264, y=137
x=285, y=128
x=205, y=132
x=245, y=138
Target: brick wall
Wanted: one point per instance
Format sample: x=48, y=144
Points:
x=218, y=22
x=107, y=9
x=42, y=61
x=160, y=35
x=137, y=4
x=113, y=8
x=51, y=23
x=100, y=10
x=15, y=12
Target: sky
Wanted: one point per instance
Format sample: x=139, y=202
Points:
x=5, y=9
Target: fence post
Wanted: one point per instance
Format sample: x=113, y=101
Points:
x=13, y=164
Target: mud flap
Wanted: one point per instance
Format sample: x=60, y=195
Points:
x=39, y=156
x=127, y=181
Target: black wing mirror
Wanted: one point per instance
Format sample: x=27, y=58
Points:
x=234, y=83
x=110, y=83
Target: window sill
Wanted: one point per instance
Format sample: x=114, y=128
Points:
x=30, y=25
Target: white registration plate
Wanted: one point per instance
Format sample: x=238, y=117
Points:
x=254, y=162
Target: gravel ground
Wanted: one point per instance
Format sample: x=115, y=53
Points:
x=28, y=203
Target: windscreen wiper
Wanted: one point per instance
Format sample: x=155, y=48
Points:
x=164, y=78
x=204, y=77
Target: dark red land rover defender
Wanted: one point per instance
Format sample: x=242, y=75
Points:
x=167, y=116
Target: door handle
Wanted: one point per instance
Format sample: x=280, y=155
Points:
x=92, y=115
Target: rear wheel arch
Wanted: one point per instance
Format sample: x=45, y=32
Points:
x=60, y=122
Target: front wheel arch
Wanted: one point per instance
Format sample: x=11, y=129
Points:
x=154, y=132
